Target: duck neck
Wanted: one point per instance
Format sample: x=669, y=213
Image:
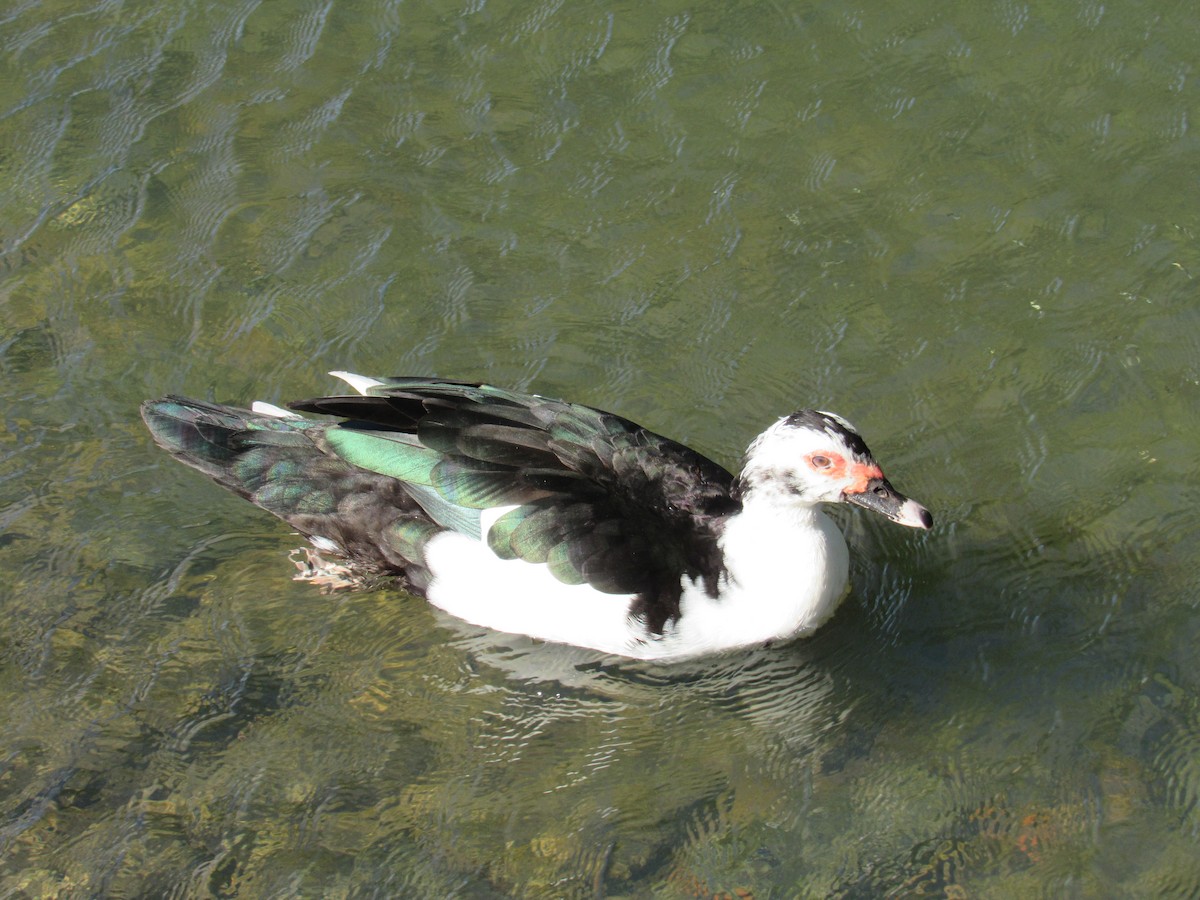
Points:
x=787, y=555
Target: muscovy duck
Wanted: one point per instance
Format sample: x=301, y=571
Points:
x=551, y=519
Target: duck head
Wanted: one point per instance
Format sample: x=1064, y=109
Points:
x=815, y=457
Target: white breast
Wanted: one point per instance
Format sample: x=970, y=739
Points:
x=788, y=571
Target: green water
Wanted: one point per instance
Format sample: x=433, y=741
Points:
x=971, y=228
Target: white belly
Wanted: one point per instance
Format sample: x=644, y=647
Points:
x=783, y=581
x=471, y=582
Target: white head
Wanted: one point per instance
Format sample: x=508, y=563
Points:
x=814, y=457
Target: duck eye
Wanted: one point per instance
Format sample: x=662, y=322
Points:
x=820, y=462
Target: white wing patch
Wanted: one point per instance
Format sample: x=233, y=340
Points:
x=360, y=383
x=270, y=409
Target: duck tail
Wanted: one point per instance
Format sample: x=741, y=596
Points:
x=240, y=449
x=279, y=462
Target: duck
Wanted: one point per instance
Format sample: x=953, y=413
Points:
x=539, y=517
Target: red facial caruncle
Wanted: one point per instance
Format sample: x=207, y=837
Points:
x=835, y=466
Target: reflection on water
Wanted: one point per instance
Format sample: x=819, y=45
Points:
x=969, y=230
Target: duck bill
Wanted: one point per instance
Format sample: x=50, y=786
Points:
x=884, y=499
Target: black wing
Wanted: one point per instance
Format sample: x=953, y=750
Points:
x=598, y=498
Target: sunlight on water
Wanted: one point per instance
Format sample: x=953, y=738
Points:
x=969, y=229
